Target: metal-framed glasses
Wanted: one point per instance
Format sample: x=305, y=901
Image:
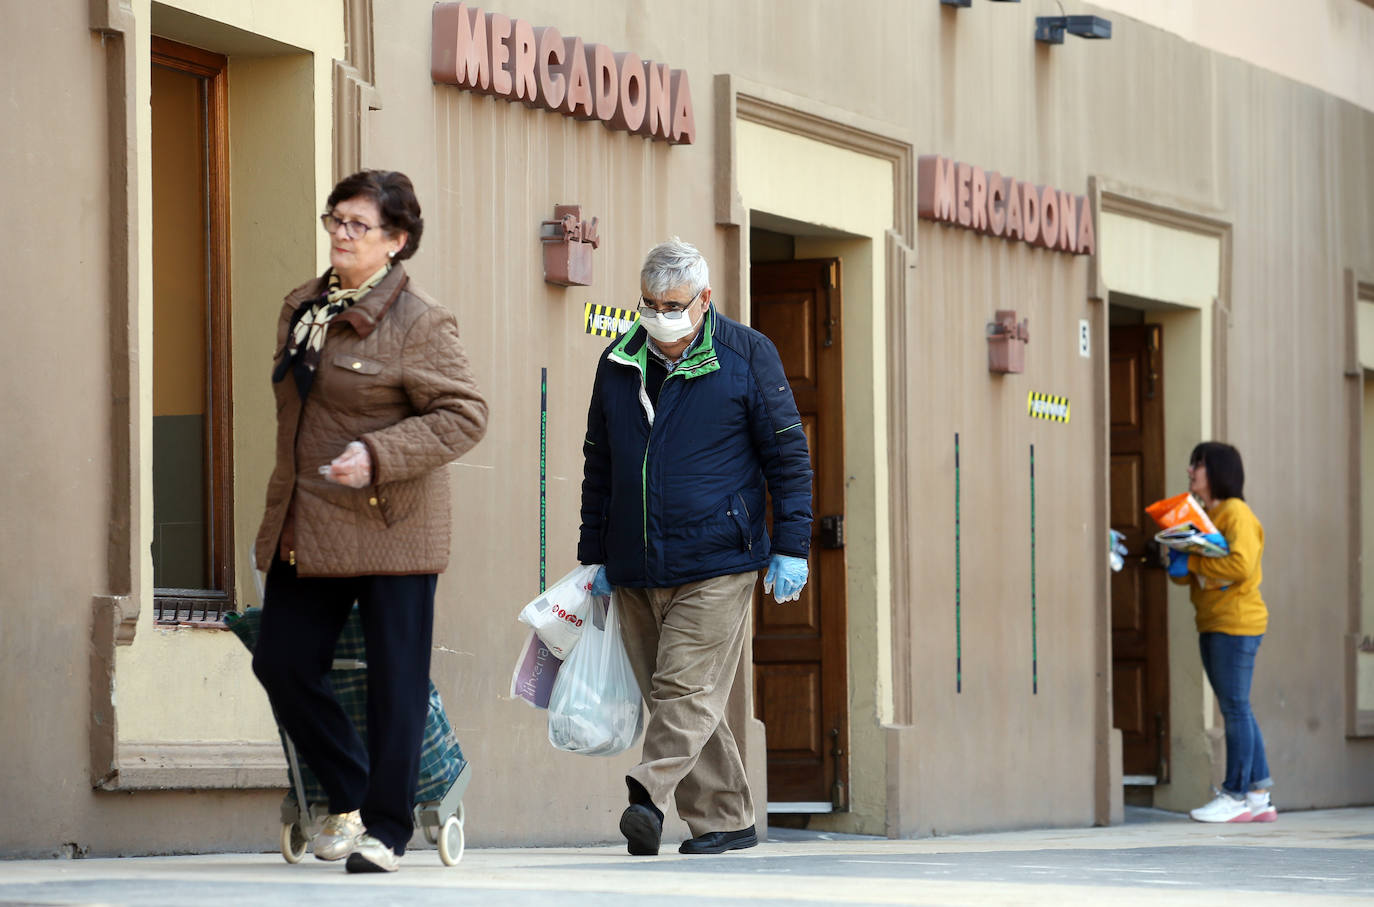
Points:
x=669, y=311
x=355, y=229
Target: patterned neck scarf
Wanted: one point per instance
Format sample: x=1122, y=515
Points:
x=306, y=342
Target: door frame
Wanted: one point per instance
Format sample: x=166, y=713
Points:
x=882, y=797
x=1126, y=214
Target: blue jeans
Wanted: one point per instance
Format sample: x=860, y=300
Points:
x=1230, y=664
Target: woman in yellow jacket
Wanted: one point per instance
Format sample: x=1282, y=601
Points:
x=1231, y=620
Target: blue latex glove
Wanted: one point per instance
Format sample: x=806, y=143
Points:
x=1178, y=564
x=1216, y=538
x=785, y=577
x=601, y=585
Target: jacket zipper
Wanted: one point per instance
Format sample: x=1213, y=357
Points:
x=644, y=469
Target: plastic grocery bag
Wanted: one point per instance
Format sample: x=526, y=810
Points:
x=534, y=674
x=558, y=614
x=595, y=708
x=1180, y=509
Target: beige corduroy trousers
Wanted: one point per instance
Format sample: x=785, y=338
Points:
x=684, y=643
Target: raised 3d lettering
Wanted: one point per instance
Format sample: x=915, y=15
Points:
x=495, y=54
x=960, y=194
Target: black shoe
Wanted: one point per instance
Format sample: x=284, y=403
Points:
x=720, y=841
x=642, y=826
x=371, y=855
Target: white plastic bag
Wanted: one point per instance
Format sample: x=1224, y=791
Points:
x=595, y=708
x=558, y=614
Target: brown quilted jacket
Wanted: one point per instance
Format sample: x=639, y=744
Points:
x=393, y=375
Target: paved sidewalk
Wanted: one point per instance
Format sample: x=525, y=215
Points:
x=1321, y=857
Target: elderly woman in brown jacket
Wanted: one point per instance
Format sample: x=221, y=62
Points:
x=375, y=397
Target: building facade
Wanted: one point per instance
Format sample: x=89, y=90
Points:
x=1167, y=236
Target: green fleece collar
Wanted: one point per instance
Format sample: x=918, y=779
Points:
x=632, y=350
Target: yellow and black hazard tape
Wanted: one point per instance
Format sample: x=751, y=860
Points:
x=607, y=320
x=1047, y=406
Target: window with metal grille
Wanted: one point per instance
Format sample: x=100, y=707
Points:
x=192, y=544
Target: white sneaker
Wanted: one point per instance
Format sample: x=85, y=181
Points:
x=371, y=855
x=340, y=833
x=1261, y=809
x=1224, y=808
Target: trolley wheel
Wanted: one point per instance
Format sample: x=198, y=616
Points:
x=431, y=833
x=293, y=842
x=451, y=840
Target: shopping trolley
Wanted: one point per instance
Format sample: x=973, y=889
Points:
x=444, y=772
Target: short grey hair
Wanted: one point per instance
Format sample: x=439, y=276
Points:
x=673, y=264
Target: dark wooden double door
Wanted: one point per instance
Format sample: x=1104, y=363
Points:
x=1140, y=652
x=800, y=663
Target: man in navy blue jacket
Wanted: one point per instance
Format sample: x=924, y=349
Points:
x=691, y=422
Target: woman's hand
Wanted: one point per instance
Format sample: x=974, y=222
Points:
x=353, y=467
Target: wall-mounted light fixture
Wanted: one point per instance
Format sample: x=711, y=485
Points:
x=960, y=3
x=568, y=243
x=1007, y=343
x=1050, y=29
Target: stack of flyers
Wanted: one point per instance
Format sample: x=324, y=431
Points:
x=1185, y=526
x=1189, y=538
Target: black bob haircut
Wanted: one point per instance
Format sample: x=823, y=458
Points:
x=1225, y=473
x=394, y=196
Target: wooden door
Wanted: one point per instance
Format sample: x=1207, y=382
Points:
x=1140, y=649
x=801, y=685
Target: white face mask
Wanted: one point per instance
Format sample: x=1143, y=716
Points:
x=666, y=330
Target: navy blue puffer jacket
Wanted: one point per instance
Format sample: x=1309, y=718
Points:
x=675, y=493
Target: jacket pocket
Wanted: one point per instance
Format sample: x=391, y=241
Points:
x=739, y=511
x=397, y=502
x=357, y=364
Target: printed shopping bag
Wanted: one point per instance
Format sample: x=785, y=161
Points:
x=557, y=615
x=1180, y=509
x=534, y=674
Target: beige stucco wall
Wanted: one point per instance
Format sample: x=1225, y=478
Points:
x=1322, y=43
x=1206, y=131
x=487, y=173
x=52, y=565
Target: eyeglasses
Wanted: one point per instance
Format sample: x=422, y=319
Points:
x=672, y=311
x=355, y=229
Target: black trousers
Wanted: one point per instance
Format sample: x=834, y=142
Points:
x=301, y=621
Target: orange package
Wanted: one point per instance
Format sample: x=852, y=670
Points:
x=1180, y=509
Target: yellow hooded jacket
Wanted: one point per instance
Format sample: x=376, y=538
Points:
x=1225, y=590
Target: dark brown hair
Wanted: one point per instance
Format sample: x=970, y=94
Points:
x=392, y=192
x=1225, y=472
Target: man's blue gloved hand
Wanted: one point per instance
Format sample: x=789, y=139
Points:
x=1178, y=563
x=601, y=585
x=785, y=577
x=1216, y=538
